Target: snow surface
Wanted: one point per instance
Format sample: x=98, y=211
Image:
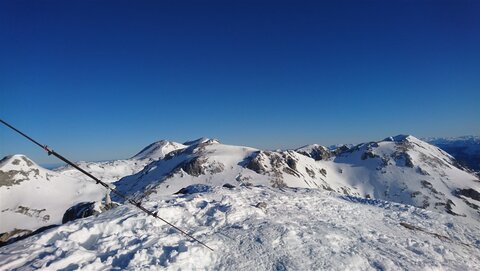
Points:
x=296, y=229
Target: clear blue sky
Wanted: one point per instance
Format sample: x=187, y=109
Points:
x=100, y=80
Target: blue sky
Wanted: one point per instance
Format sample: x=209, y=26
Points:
x=100, y=80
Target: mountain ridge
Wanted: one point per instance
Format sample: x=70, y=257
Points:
x=400, y=169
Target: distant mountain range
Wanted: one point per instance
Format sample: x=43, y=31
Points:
x=465, y=149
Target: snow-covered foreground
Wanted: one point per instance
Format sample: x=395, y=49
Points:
x=291, y=229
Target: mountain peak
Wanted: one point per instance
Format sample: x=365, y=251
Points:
x=401, y=138
x=158, y=150
x=16, y=161
x=202, y=140
x=315, y=151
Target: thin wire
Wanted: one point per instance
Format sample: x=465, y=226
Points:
x=134, y=203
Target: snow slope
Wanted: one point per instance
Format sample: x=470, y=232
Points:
x=32, y=197
x=111, y=171
x=295, y=229
x=407, y=170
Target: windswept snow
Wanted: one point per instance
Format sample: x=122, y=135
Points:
x=294, y=229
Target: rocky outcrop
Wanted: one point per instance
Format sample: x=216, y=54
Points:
x=469, y=193
x=199, y=166
x=316, y=152
x=86, y=209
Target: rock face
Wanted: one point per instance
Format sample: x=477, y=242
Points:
x=85, y=209
x=315, y=151
x=81, y=210
x=275, y=165
x=14, y=234
x=16, y=169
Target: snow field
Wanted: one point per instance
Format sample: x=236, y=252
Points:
x=299, y=229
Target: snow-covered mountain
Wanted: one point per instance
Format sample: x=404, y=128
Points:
x=407, y=170
x=255, y=228
x=111, y=171
x=32, y=197
x=401, y=169
x=465, y=149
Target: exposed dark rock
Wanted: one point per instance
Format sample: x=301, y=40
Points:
x=290, y=171
x=81, y=210
x=422, y=171
x=317, y=153
x=469, y=193
x=278, y=161
x=29, y=163
x=194, y=188
x=20, y=234
x=310, y=172
x=255, y=163
x=4, y=237
x=471, y=205
x=277, y=180
x=408, y=161
x=31, y=212
x=425, y=202
x=229, y=186
x=85, y=209
x=291, y=162
x=261, y=205
x=8, y=178
x=403, y=156
x=194, y=167
x=172, y=154
x=429, y=186
x=341, y=150
x=448, y=208
x=16, y=162
x=368, y=154
x=416, y=193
